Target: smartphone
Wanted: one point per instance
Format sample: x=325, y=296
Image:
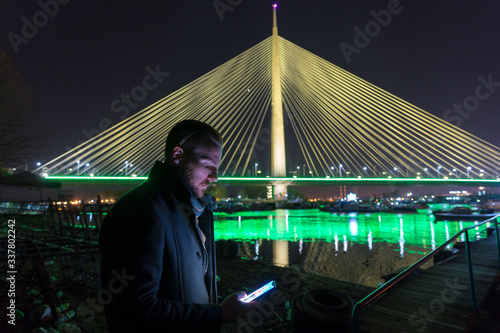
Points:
x=259, y=292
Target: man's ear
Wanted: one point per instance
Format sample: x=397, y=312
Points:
x=177, y=154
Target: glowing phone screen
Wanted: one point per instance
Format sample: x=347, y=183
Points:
x=262, y=290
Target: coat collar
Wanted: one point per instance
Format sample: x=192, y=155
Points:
x=169, y=179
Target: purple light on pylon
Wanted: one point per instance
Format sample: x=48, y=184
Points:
x=275, y=5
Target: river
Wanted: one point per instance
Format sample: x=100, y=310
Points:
x=359, y=248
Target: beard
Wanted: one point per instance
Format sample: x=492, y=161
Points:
x=188, y=175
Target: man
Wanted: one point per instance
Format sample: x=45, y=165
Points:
x=157, y=244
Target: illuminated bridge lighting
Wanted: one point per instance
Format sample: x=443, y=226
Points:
x=96, y=178
x=315, y=180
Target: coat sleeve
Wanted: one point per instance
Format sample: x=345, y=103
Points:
x=132, y=242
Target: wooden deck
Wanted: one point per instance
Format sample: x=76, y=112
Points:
x=439, y=298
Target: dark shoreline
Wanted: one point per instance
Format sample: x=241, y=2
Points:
x=235, y=274
x=241, y=274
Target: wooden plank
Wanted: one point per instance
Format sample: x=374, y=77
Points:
x=407, y=307
x=446, y=310
x=480, y=261
x=416, y=322
x=480, y=272
x=432, y=287
x=464, y=297
x=414, y=299
x=398, y=323
x=382, y=322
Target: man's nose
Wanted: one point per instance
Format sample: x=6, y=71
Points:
x=213, y=175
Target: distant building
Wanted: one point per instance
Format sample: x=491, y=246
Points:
x=26, y=186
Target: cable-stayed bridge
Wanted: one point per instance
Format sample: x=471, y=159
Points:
x=286, y=113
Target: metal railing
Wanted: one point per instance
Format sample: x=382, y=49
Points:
x=392, y=282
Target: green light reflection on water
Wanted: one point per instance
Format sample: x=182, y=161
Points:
x=312, y=225
x=360, y=248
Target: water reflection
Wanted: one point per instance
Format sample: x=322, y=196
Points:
x=353, y=226
x=358, y=248
x=280, y=253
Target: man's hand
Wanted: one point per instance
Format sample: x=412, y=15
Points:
x=233, y=307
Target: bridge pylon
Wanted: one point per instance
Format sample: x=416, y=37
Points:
x=278, y=157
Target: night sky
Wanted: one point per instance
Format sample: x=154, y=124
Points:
x=85, y=54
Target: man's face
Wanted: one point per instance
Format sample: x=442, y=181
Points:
x=201, y=169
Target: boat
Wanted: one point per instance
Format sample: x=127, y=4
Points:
x=350, y=207
x=463, y=213
x=401, y=209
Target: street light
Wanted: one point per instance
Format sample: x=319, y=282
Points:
x=126, y=168
x=87, y=167
x=397, y=171
x=340, y=170
x=78, y=167
x=438, y=173
x=255, y=169
x=427, y=171
x=365, y=170
x=468, y=169
x=298, y=171
x=332, y=168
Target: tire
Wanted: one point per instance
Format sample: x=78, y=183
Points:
x=328, y=306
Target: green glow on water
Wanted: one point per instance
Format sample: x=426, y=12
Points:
x=361, y=248
x=417, y=230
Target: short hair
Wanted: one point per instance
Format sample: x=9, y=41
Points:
x=190, y=134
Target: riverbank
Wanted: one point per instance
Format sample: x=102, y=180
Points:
x=81, y=302
x=87, y=313
x=241, y=274
x=235, y=274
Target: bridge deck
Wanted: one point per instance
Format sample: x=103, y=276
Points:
x=439, y=298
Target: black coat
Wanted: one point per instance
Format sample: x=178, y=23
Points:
x=157, y=274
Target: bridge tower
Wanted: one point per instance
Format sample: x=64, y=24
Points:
x=278, y=158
